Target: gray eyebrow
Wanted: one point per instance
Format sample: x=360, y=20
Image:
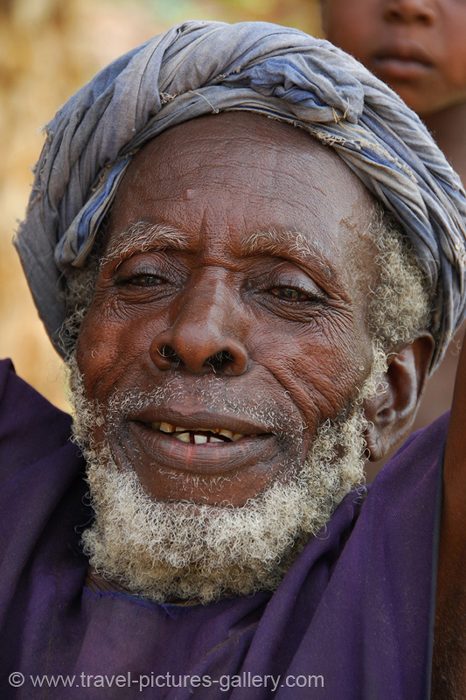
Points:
x=143, y=236
x=292, y=245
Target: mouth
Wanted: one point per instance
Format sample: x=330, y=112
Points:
x=404, y=62
x=194, y=436
x=197, y=443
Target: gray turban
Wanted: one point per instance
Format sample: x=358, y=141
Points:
x=200, y=68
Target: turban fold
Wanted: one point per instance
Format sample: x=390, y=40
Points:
x=199, y=68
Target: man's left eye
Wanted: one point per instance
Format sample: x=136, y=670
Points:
x=290, y=294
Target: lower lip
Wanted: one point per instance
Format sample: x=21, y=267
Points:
x=400, y=69
x=166, y=452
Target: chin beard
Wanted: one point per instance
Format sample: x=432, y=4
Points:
x=178, y=551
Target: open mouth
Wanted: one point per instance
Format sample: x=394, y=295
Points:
x=195, y=436
x=166, y=448
x=192, y=445
x=157, y=441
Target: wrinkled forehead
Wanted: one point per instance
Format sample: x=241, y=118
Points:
x=240, y=173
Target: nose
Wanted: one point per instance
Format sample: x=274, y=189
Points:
x=205, y=336
x=409, y=11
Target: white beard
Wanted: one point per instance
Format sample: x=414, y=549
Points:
x=185, y=551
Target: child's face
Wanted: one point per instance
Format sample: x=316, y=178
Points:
x=418, y=47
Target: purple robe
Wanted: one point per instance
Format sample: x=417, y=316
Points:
x=351, y=620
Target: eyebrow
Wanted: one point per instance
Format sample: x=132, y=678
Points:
x=292, y=245
x=142, y=236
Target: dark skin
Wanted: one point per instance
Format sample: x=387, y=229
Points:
x=418, y=48
x=205, y=309
x=450, y=646
x=385, y=35
x=267, y=324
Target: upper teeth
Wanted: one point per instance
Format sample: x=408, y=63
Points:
x=196, y=436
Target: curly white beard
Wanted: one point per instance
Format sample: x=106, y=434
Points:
x=184, y=551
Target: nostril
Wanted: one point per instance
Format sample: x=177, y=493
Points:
x=219, y=360
x=169, y=354
x=196, y=354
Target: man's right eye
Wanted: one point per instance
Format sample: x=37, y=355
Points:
x=144, y=279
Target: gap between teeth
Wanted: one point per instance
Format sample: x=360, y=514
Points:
x=196, y=437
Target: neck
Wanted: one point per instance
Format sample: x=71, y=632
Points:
x=448, y=129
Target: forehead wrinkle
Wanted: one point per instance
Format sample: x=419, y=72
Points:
x=292, y=245
x=143, y=236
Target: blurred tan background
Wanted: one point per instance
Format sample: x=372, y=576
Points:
x=48, y=48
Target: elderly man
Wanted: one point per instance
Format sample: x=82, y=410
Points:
x=247, y=306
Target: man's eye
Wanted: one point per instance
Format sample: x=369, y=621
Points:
x=290, y=294
x=141, y=280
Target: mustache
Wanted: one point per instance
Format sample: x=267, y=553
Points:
x=212, y=395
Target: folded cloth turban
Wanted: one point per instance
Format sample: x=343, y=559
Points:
x=200, y=68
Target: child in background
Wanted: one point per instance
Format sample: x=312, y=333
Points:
x=418, y=47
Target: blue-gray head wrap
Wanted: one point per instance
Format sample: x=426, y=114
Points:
x=200, y=68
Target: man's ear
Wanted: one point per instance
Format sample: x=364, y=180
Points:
x=391, y=412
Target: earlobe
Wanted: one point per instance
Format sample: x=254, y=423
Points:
x=391, y=412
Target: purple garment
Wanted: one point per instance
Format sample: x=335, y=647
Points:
x=355, y=608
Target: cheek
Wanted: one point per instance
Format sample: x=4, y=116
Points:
x=455, y=67
x=321, y=371
x=106, y=349
x=348, y=27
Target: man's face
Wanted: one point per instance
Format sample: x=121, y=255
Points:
x=418, y=47
x=229, y=317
